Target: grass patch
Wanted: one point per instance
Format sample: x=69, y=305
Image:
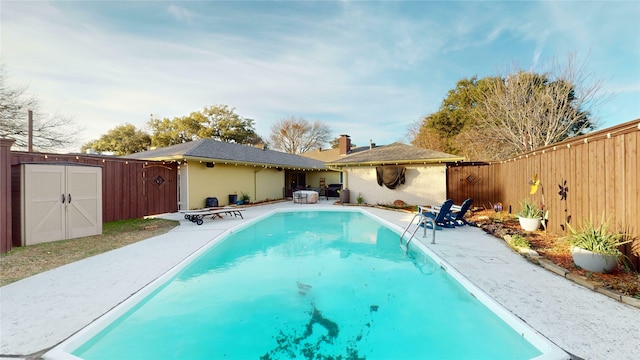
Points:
x=25, y=261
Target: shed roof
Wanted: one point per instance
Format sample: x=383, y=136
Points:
x=219, y=151
x=396, y=153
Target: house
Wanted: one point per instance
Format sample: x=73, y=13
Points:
x=227, y=171
x=383, y=174
x=332, y=154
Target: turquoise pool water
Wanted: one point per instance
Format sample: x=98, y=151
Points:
x=310, y=285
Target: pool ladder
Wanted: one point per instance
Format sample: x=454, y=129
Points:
x=421, y=220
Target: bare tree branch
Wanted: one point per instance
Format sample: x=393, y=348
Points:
x=528, y=110
x=50, y=131
x=297, y=135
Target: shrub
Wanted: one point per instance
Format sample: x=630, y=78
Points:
x=519, y=241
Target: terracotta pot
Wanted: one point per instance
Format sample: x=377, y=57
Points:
x=594, y=262
x=529, y=224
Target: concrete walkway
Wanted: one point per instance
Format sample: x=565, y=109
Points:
x=41, y=311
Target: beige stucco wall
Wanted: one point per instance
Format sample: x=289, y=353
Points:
x=269, y=184
x=183, y=187
x=220, y=181
x=423, y=185
x=330, y=177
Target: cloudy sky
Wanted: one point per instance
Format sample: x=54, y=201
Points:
x=366, y=68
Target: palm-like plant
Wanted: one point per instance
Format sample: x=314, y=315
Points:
x=529, y=210
x=598, y=239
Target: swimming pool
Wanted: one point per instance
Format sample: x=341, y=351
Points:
x=311, y=284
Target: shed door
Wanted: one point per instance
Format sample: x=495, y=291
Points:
x=61, y=202
x=84, y=201
x=44, y=215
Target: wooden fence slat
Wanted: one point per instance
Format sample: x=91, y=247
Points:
x=601, y=169
x=632, y=208
x=123, y=184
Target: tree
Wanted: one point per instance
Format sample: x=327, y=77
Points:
x=297, y=135
x=426, y=137
x=458, y=113
x=225, y=125
x=497, y=117
x=50, y=131
x=168, y=132
x=528, y=111
x=121, y=140
x=218, y=122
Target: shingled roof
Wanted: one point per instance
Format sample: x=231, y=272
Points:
x=396, y=153
x=219, y=151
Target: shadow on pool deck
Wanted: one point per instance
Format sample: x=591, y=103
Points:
x=41, y=311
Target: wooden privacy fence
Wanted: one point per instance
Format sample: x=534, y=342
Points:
x=471, y=180
x=130, y=188
x=5, y=195
x=598, y=172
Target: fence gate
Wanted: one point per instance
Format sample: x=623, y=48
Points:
x=471, y=180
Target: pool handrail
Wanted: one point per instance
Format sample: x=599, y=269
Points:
x=422, y=220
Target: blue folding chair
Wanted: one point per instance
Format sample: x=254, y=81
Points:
x=457, y=213
x=441, y=215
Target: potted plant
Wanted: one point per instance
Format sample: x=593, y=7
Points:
x=245, y=198
x=595, y=248
x=529, y=216
x=360, y=199
x=544, y=215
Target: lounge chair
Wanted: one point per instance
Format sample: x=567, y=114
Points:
x=441, y=215
x=457, y=213
x=198, y=216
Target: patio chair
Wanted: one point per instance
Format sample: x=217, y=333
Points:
x=457, y=213
x=441, y=215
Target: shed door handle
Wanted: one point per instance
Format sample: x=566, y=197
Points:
x=69, y=198
x=63, y=198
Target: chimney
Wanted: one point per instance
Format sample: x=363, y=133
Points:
x=344, y=144
x=371, y=144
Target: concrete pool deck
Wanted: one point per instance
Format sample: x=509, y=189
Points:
x=41, y=311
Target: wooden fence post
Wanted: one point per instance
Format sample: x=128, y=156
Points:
x=5, y=194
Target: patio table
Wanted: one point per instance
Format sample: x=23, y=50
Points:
x=305, y=196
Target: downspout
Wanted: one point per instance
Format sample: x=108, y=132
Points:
x=346, y=178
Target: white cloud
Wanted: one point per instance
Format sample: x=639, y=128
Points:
x=180, y=13
x=369, y=69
